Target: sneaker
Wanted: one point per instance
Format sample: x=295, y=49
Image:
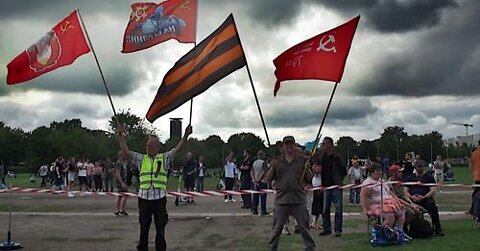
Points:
x=296, y=229
x=123, y=213
x=70, y=195
x=286, y=231
x=232, y=200
x=255, y=213
x=226, y=201
x=336, y=234
x=117, y=214
x=264, y=213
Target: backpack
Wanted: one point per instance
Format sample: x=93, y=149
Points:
x=385, y=236
x=420, y=228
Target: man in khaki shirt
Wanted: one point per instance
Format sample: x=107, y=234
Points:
x=290, y=176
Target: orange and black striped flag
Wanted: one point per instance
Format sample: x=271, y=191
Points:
x=214, y=58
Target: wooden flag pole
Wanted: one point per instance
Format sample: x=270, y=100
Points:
x=98, y=64
x=324, y=117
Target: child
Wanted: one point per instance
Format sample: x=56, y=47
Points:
x=317, y=202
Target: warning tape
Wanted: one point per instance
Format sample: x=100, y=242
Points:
x=228, y=192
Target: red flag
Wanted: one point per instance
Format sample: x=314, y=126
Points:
x=152, y=23
x=320, y=57
x=58, y=47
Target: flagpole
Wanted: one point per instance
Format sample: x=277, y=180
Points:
x=195, y=45
x=253, y=88
x=324, y=117
x=191, y=100
x=98, y=64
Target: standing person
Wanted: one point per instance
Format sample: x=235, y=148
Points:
x=423, y=195
x=71, y=173
x=259, y=171
x=97, y=176
x=82, y=175
x=475, y=165
x=230, y=173
x=108, y=175
x=317, y=201
x=59, y=170
x=2, y=176
x=201, y=173
x=42, y=172
x=189, y=173
x=290, y=175
x=438, y=166
x=246, y=178
x=408, y=166
x=355, y=174
x=121, y=182
x=333, y=172
x=90, y=182
x=152, y=196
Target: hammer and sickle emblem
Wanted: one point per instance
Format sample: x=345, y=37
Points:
x=185, y=5
x=324, y=42
x=65, y=26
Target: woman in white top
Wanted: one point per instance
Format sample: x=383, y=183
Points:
x=371, y=199
x=317, y=202
x=230, y=172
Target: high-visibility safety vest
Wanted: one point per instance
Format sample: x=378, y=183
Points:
x=150, y=175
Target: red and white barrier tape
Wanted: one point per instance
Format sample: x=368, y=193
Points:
x=228, y=192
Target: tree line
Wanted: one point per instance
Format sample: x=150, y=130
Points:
x=29, y=150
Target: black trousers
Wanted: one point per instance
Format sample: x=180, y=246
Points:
x=157, y=208
x=229, y=186
x=475, y=191
x=432, y=209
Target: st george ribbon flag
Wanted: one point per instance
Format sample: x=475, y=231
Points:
x=320, y=57
x=151, y=24
x=58, y=47
x=214, y=58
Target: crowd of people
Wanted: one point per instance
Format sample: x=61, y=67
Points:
x=291, y=174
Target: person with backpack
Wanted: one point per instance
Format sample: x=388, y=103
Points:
x=423, y=195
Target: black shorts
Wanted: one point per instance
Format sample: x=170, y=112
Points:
x=82, y=180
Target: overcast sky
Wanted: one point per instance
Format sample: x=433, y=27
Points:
x=412, y=63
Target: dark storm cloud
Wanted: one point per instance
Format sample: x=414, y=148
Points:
x=443, y=61
x=385, y=16
x=296, y=114
x=52, y=10
x=394, y=15
x=120, y=81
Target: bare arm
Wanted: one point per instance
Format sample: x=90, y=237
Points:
x=182, y=142
x=271, y=172
x=122, y=142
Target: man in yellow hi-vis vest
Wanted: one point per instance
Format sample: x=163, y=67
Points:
x=152, y=196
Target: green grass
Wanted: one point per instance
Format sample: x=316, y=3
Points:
x=459, y=235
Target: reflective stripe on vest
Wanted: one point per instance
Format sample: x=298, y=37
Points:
x=148, y=172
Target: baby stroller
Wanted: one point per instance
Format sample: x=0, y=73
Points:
x=181, y=200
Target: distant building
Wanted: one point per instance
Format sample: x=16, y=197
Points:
x=470, y=140
x=175, y=127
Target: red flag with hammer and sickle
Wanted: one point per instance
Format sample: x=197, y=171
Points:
x=58, y=47
x=320, y=57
